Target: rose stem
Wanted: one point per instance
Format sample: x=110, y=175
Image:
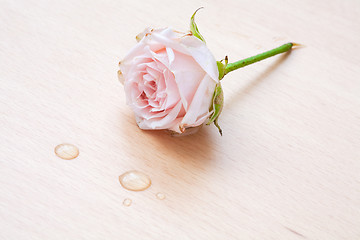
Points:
x=247, y=61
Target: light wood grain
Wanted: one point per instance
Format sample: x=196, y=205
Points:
x=287, y=166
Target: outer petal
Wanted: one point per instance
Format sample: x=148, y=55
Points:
x=189, y=45
x=202, y=55
x=188, y=75
x=126, y=63
x=199, y=108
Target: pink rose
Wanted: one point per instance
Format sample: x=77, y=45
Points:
x=169, y=80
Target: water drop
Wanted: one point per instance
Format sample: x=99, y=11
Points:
x=127, y=202
x=135, y=181
x=66, y=151
x=160, y=196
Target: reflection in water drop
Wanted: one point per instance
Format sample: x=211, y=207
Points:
x=135, y=181
x=127, y=202
x=160, y=196
x=66, y=151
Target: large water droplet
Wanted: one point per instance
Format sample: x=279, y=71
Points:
x=66, y=151
x=135, y=181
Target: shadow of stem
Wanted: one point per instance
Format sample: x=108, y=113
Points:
x=259, y=79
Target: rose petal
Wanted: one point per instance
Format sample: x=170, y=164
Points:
x=161, y=123
x=172, y=90
x=200, y=103
x=192, y=46
x=188, y=75
x=199, y=51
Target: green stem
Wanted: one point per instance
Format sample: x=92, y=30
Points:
x=247, y=61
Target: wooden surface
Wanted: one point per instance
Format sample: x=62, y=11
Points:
x=287, y=166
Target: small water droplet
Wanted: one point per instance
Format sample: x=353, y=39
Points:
x=66, y=151
x=127, y=202
x=135, y=181
x=160, y=196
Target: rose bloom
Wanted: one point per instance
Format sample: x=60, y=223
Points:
x=169, y=80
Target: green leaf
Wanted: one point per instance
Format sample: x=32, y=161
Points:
x=222, y=67
x=193, y=27
x=217, y=106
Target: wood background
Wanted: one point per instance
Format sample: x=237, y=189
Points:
x=287, y=166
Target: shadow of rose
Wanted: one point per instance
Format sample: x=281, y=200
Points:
x=175, y=164
x=184, y=163
x=162, y=149
x=196, y=147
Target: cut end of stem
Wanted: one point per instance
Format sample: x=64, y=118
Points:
x=297, y=45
